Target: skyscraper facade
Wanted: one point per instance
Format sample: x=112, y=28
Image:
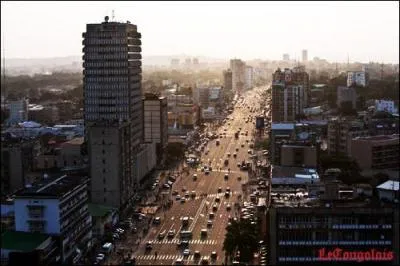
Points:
x=112, y=108
x=304, y=54
x=238, y=68
x=228, y=80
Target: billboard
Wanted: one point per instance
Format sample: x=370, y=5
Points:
x=260, y=122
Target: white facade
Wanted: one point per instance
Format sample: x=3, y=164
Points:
x=356, y=77
x=383, y=105
x=304, y=54
x=18, y=111
x=249, y=77
x=155, y=120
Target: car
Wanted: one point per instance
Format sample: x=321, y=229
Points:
x=210, y=168
x=228, y=154
x=203, y=232
x=175, y=192
x=237, y=149
x=178, y=197
x=219, y=189
x=166, y=186
x=197, y=254
x=161, y=235
x=187, y=195
x=239, y=165
x=234, y=155
x=100, y=257
x=209, y=223
x=116, y=236
x=204, y=261
x=215, y=207
x=193, y=194
x=227, y=194
x=183, y=189
x=183, y=200
x=149, y=245
x=183, y=243
x=228, y=189
x=194, y=177
x=186, y=252
x=217, y=199
x=226, y=176
x=228, y=207
x=157, y=220
x=242, y=145
x=179, y=261
x=171, y=233
x=207, y=172
x=214, y=255
x=211, y=215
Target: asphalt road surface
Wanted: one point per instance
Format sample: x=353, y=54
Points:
x=165, y=251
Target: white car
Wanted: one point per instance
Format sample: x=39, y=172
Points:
x=100, y=256
x=186, y=252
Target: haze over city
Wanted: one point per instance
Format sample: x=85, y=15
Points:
x=336, y=31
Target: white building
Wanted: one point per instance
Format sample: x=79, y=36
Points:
x=113, y=109
x=304, y=54
x=18, y=111
x=56, y=206
x=356, y=77
x=249, y=77
x=384, y=105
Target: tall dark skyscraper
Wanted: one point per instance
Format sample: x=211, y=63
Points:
x=113, y=108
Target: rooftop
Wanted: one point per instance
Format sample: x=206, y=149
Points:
x=282, y=126
x=75, y=141
x=22, y=241
x=56, y=186
x=379, y=138
x=389, y=185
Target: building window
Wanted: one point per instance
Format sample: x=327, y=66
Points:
x=65, y=163
x=74, y=162
x=104, y=161
x=103, y=142
x=105, y=189
x=104, y=170
x=104, y=181
x=105, y=199
x=103, y=151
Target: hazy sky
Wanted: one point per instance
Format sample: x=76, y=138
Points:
x=367, y=31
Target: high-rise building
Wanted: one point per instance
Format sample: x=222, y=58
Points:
x=358, y=78
x=249, y=77
x=288, y=94
x=285, y=57
x=238, y=68
x=228, y=80
x=113, y=108
x=156, y=122
x=304, y=54
x=18, y=111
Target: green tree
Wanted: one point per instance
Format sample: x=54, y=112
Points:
x=241, y=236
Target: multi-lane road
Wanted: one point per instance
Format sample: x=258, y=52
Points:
x=210, y=198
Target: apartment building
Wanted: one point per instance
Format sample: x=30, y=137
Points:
x=304, y=55
x=345, y=95
x=385, y=105
x=306, y=231
x=56, y=206
x=287, y=102
x=113, y=108
x=341, y=131
x=358, y=78
x=376, y=152
x=201, y=96
x=280, y=133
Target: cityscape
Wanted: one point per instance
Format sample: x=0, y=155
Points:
x=145, y=150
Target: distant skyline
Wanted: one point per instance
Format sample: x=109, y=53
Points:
x=364, y=31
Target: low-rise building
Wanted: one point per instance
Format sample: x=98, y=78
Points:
x=26, y=248
x=389, y=191
x=376, y=152
x=385, y=105
x=299, y=154
x=313, y=231
x=57, y=206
